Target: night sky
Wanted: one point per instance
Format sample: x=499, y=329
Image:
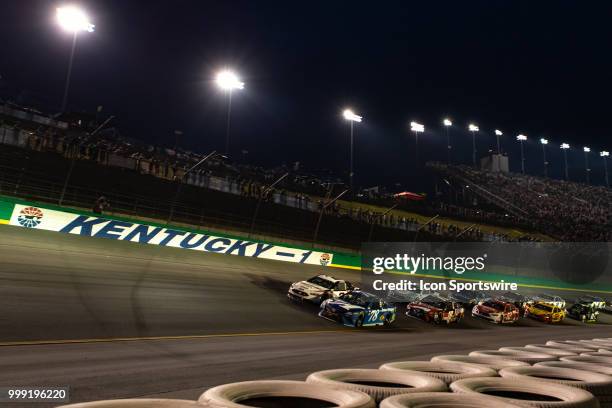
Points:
x=542, y=68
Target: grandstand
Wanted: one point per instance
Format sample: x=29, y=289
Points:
x=74, y=162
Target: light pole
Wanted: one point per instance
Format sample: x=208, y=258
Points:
x=587, y=170
x=605, y=155
x=564, y=147
x=498, y=134
x=228, y=81
x=352, y=118
x=521, y=139
x=544, y=142
x=72, y=19
x=447, y=124
x=473, y=128
x=417, y=128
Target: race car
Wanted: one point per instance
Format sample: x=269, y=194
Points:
x=550, y=299
x=435, y=309
x=468, y=297
x=318, y=288
x=496, y=310
x=517, y=299
x=545, y=312
x=408, y=296
x=597, y=302
x=357, y=309
x=585, y=312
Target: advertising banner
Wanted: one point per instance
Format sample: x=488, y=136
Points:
x=28, y=216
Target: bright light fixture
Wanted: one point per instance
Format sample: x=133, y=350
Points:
x=586, y=149
x=498, y=132
x=417, y=127
x=473, y=128
x=227, y=80
x=544, y=141
x=73, y=19
x=350, y=115
x=565, y=146
x=604, y=154
x=521, y=137
x=447, y=122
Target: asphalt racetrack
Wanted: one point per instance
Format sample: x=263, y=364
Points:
x=118, y=319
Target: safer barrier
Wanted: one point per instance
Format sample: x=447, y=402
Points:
x=52, y=218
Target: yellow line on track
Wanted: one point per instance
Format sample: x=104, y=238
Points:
x=156, y=338
x=4, y=222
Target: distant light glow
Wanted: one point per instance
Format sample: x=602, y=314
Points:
x=228, y=81
x=473, y=128
x=586, y=149
x=498, y=132
x=350, y=115
x=565, y=146
x=73, y=19
x=544, y=141
x=604, y=154
x=447, y=122
x=521, y=138
x=417, y=127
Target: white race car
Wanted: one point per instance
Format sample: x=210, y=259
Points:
x=319, y=288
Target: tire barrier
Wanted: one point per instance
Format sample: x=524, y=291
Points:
x=576, y=348
x=599, y=353
x=444, y=400
x=496, y=363
x=596, y=368
x=537, y=394
x=446, y=371
x=136, y=403
x=600, y=385
x=525, y=356
x=282, y=393
x=552, y=351
x=543, y=348
x=379, y=384
x=607, y=360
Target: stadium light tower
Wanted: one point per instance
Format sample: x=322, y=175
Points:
x=73, y=20
x=587, y=170
x=228, y=81
x=564, y=147
x=544, y=142
x=473, y=128
x=498, y=134
x=417, y=128
x=521, y=139
x=447, y=124
x=352, y=118
x=605, y=155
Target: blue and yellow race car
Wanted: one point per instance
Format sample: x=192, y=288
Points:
x=357, y=309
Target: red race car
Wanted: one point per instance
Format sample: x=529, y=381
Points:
x=435, y=309
x=496, y=311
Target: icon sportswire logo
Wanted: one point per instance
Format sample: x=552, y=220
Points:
x=30, y=217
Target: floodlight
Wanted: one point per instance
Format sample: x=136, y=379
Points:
x=498, y=132
x=604, y=154
x=473, y=128
x=417, y=127
x=447, y=122
x=521, y=138
x=565, y=146
x=586, y=149
x=228, y=81
x=73, y=19
x=349, y=115
x=544, y=141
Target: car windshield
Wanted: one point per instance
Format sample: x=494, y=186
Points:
x=319, y=281
x=438, y=303
x=358, y=298
x=546, y=308
x=493, y=305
